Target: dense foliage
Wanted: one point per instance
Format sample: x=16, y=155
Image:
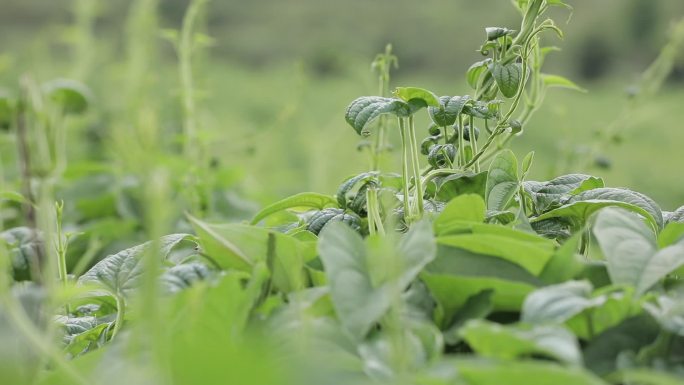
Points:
x=457, y=269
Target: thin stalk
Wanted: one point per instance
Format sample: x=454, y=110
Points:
x=404, y=168
x=415, y=163
x=473, y=142
x=461, y=143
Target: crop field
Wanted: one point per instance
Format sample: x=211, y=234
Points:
x=199, y=192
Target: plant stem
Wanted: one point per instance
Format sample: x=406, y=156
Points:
x=404, y=169
x=473, y=142
x=415, y=162
x=461, y=142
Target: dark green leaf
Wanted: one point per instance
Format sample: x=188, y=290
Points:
x=507, y=77
x=362, y=111
x=449, y=109
x=502, y=181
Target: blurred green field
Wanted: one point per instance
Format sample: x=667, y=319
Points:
x=277, y=78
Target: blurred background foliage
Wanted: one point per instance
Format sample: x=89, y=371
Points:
x=275, y=76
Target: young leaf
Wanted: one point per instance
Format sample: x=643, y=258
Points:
x=71, y=95
x=475, y=71
x=447, y=112
x=120, y=273
x=560, y=82
x=507, y=77
x=502, y=181
x=308, y=200
x=362, y=111
x=631, y=250
x=421, y=95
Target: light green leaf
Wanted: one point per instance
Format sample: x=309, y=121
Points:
x=502, y=181
x=528, y=372
x=120, y=273
x=565, y=264
x=301, y=200
x=509, y=342
x=409, y=94
x=237, y=246
x=507, y=77
x=558, y=303
x=360, y=292
x=72, y=96
x=560, y=82
x=631, y=250
x=475, y=71
x=468, y=207
x=669, y=312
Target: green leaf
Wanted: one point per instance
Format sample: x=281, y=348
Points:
x=533, y=257
x=120, y=273
x=361, y=285
x=673, y=232
x=675, y=216
x=87, y=340
x=565, y=264
x=527, y=372
x=364, y=110
x=634, y=333
x=468, y=207
x=237, y=246
x=551, y=193
x=558, y=303
x=631, y=250
x=668, y=312
x=409, y=94
x=494, y=33
x=181, y=277
x=507, y=77
x=527, y=164
x=581, y=206
x=475, y=71
x=449, y=109
x=560, y=82
x=477, y=306
x=72, y=96
x=452, y=186
x=508, y=342
x=502, y=181
x=307, y=200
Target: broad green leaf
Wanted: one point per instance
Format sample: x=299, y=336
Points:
x=508, y=342
x=13, y=196
x=120, y=273
x=87, y=340
x=631, y=250
x=668, y=312
x=307, y=200
x=551, y=193
x=508, y=77
x=72, y=96
x=673, y=232
x=527, y=372
x=449, y=110
x=237, y=246
x=468, y=207
x=475, y=71
x=558, y=303
x=349, y=183
x=533, y=257
x=565, y=264
x=634, y=333
x=477, y=306
x=502, y=181
x=457, y=274
x=360, y=292
x=647, y=377
x=409, y=94
x=362, y=111
x=580, y=207
x=560, y=82
x=182, y=276
x=450, y=187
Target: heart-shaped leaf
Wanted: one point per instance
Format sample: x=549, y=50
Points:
x=507, y=77
x=502, y=181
